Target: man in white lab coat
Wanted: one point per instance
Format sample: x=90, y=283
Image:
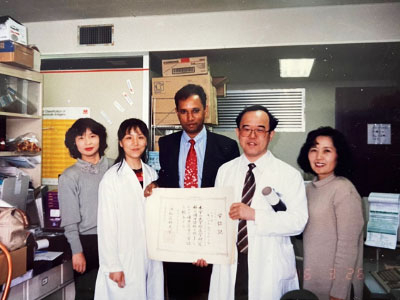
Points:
x=265, y=267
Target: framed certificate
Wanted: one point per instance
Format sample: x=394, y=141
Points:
x=184, y=225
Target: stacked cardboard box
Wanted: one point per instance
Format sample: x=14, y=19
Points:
x=220, y=85
x=191, y=71
x=13, y=45
x=16, y=54
x=184, y=66
x=156, y=146
x=12, y=30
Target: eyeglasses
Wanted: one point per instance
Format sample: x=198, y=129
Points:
x=246, y=132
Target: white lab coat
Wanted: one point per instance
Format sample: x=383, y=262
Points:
x=122, y=239
x=271, y=259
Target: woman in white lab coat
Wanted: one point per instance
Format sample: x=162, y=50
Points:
x=125, y=270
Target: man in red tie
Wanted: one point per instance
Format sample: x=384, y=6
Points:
x=190, y=159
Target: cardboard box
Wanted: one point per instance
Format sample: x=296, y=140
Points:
x=156, y=146
x=164, y=90
x=184, y=66
x=16, y=54
x=11, y=29
x=36, y=60
x=18, y=258
x=213, y=107
x=220, y=85
x=166, y=87
x=164, y=112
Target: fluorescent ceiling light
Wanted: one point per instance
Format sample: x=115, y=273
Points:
x=299, y=67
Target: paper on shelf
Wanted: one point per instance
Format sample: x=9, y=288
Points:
x=383, y=221
x=47, y=255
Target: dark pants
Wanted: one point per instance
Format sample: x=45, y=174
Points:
x=85, y=283
x=242, y=278
x=186, y=281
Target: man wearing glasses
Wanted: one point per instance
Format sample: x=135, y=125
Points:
x=265, y=266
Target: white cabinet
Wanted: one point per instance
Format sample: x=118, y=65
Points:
x=56, y=283
x=21, y=110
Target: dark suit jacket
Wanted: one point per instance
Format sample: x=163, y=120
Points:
x=219, y=150
x=185, y=281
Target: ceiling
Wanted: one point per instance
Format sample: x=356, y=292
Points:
x=49, y=10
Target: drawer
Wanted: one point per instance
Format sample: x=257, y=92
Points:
x=17, y=292
x=44, y=283
x=67, y=272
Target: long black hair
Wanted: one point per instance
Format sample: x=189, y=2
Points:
x=344, y=162
x=79, y=128
x=125, y=127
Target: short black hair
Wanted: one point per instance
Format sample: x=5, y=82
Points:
x=190, y=90
x=125, y=127
x=273, y=122
x=79, y=128
x=344, y=164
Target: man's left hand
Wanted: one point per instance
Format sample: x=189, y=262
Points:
x=241, y=211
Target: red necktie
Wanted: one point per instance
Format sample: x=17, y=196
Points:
x=191, y=179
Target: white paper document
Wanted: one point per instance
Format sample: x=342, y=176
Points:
x=184, y=225
x=46, y=255
x=383, y=220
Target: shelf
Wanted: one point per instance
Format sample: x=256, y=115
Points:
x=21, y=113
x=14, y=154
x=20, y=73
x=18, y=116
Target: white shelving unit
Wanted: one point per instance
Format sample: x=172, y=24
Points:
x=21, y=93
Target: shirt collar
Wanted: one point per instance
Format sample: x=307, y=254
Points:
x=260, y=163
x=88, y=167
x=200, y=136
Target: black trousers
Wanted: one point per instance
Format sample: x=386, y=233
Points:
x=186, y=281
x=242, y=278
x=85, y=283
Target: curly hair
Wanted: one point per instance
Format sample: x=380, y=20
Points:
x=344, y=164
x=79, y=128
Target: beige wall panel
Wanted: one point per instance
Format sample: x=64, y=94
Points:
x=99, y=91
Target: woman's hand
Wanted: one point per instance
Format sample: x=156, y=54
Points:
x=118, y=277
x=200, y=263
x=79, y=262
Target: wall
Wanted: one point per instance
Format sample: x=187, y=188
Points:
x=255, y=28
x=319, y=111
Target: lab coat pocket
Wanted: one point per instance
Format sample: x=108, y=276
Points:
x=115, y=292
x=287, y=262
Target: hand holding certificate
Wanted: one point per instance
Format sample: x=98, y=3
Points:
x=184, y=225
